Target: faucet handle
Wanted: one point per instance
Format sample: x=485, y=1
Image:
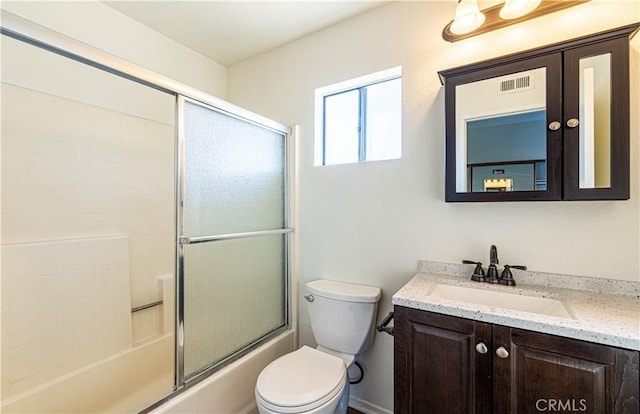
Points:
x=478, y=272
x=507, y=277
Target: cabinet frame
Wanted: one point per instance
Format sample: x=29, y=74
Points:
x=553, y=89
x=561, y=182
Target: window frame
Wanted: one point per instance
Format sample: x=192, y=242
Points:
x=359, y=84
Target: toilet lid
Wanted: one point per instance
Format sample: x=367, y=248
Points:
x=301, y=378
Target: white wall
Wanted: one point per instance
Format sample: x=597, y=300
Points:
x=99, y=25
x=370, y=223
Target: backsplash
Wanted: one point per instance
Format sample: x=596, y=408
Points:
x=527, y=277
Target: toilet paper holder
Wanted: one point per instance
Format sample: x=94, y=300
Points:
x=383, y=326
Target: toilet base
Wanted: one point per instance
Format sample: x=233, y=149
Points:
x=343, y=405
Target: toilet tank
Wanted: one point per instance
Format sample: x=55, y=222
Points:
x=342, y=314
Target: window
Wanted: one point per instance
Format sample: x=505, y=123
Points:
x=359, y=120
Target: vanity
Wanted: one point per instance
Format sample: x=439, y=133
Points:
x=548, y=124
x=550, y=343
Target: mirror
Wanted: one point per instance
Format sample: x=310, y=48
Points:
x=595, y=121
x=501, y=133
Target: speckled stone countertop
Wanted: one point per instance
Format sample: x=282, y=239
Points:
x=603, y=311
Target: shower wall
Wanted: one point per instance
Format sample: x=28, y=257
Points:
x=78, y=170
x=65, y=306
x=87, y=215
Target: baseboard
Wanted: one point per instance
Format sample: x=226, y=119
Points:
x=366, y=407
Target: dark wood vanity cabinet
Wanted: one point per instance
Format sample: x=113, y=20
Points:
x=436, y=366
x=450, y=365
x=545, y=124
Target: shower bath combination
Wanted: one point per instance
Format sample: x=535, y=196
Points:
x=130, y=229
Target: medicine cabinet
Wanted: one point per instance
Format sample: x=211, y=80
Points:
x=546, y=124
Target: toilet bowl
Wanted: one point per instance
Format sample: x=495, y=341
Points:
x=315, y=381
x=304, y=381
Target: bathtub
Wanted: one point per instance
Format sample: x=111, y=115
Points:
x=230, y=390
x=145, y=375
x=125, y=383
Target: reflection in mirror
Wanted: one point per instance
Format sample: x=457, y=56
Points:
x=595, y=121
x=501, y=139
x=507, y=153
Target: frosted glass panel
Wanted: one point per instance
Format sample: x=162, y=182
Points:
x=234, y=294
x=234, y=175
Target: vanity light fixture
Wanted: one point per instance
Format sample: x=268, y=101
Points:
x=470, y=20
x=467, y=18
x=513, y=9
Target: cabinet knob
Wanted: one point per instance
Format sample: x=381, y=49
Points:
x=573, y=122
x=482, y=348
x=555, y=125
x=502, y=353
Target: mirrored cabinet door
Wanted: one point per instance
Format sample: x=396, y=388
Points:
x=596, y=136
x=500, y=145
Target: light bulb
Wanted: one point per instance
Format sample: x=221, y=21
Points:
x=467, y=18
x=513, y=9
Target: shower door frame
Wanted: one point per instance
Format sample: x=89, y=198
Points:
x=26, y=31
x=182, y=240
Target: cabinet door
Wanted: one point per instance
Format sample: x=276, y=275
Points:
x=437, y=366
x=545, y=373
x=501, y=142
x=596, y=124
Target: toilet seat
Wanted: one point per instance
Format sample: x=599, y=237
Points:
x=301, y=381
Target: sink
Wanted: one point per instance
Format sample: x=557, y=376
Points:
x=533, y=304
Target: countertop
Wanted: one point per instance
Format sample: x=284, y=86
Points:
x=603, y=311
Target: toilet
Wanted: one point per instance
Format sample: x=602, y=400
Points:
x=315, y=381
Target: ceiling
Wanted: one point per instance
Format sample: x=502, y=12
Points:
x=234, y=30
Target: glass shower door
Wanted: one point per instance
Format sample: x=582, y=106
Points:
x=232, y=249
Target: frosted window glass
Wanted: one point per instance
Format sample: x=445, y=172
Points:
x=234, y=294
x=234, y=174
